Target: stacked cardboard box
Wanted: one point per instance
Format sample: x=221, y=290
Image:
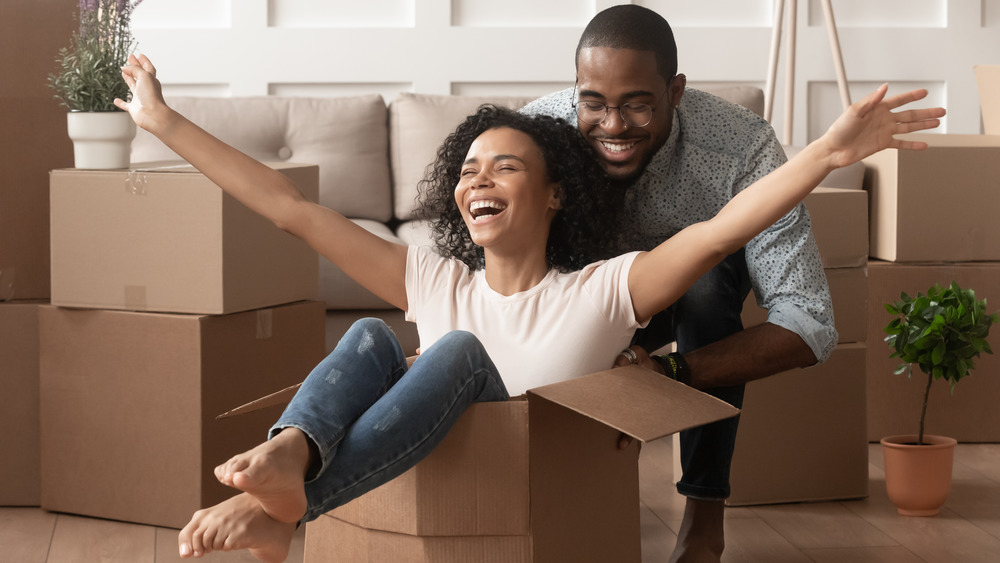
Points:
x=19, y=464
x=933, y=221
x=802, y=433
x=171, y=302
x=33, y=141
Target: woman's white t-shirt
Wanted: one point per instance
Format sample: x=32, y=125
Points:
x=568, y=325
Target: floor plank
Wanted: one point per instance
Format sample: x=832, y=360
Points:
x=897, y=554
x=88, y=540
x=25, y=534
x=658, y=539
x=822, y=524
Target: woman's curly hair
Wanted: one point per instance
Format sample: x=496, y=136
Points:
x=583, y=231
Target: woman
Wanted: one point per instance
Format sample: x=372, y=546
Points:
x=511, y=299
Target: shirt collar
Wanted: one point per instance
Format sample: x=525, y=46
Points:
x=661, y=163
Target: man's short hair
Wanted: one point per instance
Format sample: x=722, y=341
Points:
x=632, y=27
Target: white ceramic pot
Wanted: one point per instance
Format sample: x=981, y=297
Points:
x=101, y=140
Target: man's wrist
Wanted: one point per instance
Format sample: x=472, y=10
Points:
x=675, y=367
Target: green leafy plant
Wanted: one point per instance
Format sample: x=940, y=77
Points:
x=88, y=76
x=942, y=332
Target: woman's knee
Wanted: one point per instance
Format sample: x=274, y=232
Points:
x=461, y=340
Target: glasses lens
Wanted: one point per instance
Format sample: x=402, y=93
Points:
x=591, y=113
x=637, y=115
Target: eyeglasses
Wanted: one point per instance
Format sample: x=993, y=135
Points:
x=633, y=114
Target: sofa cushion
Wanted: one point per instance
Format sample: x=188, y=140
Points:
x=749, y=97
x=340, y=291
x=346, y=137
x=418, y=124
x=415, y=233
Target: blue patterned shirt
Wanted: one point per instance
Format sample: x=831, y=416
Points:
x=714, y=150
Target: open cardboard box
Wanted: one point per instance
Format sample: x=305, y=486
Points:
x=538, y=478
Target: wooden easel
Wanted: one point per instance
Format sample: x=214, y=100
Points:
x=838, y=62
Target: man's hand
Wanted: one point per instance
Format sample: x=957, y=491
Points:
x=638, y=357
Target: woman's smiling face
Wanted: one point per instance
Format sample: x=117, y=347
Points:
x=504, y=192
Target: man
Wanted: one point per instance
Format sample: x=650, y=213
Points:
x=680, y=155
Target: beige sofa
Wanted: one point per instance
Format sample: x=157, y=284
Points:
x=371, y=155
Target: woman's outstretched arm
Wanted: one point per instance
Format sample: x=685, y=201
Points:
x=661, y=276
x=375, y=263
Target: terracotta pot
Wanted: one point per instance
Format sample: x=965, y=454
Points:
x=918, y=478
x=101, y=140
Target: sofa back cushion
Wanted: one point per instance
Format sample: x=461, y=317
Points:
x=346, y=137
x=418, y=124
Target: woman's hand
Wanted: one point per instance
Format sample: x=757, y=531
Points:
x=870, y=125
x=146, y=106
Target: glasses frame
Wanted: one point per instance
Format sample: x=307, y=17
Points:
x=607, y=108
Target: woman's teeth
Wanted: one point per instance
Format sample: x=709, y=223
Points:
x=484, y=207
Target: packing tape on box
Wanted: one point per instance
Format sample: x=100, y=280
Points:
x=7, y=283
x=136, y=180
x=135, y=297
x=265, y=318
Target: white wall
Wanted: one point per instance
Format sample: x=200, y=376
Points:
x=525, y=47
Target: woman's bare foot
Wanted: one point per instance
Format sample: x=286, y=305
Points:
x=234, y=524
x=273, y=473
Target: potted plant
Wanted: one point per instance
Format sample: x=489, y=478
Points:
x=88, y=79
x=943, y=333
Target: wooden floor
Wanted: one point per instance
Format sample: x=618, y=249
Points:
x=967, y=530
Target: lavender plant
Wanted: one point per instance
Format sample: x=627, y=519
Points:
x=88, y=77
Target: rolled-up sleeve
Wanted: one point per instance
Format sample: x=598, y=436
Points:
x=786, y=269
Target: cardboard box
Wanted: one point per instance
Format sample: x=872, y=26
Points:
x=988, y=80
x=331, y=539
x=538, y=479
x=937, y=205
x=163, y=238
x=128, y=403
x=894, y=402
x=840, y=225
x=19, y=464
x=802, y=434
x=848, y=289
x=33, y=140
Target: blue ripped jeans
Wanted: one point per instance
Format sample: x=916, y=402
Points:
x=371, y=418
x=708, y=312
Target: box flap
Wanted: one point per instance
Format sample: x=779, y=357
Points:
x=278, y=398
x=637, y=401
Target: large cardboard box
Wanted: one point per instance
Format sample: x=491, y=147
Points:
x=540, y=478
x=937, y=205
x=802, y=434
x=988, y=80
x=840, y=225
x=20, y=461
x=894, y=401
x=33, y=139
x=128, y=403
x=163, y=238
x=848, y=291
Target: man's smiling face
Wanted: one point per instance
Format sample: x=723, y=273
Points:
x=619, y=76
